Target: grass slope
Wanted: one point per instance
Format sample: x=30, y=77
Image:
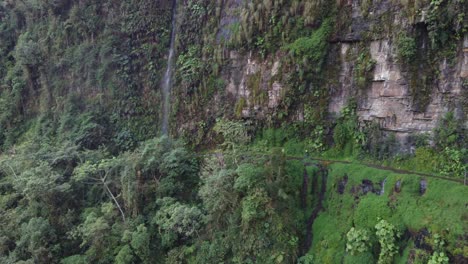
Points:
x=442, y=210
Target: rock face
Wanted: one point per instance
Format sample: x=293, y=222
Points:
x=389, y=101
x=386, y=98
x=464, y=67
x=422, y=186
x=398, y=186
x=342, y=184
x=367, y=186
x=249, y=79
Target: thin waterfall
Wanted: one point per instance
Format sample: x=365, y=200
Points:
x=167, y=80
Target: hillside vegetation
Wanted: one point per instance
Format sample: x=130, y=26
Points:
x=247, y=174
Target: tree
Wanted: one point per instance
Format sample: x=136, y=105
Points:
x=75, y=259
x=255, y=205
x=28, y=52
x=101, y=172
x=36, y=236
x=40, y=181
x=178, y=221
x=141, y=243
x=125, y=256
x=217, y=190
x=250, y=175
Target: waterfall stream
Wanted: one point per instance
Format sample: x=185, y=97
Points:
x=167, y=79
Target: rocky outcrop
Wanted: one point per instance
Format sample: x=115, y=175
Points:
x=386, y=99
x=389, y=101
x=252, y=80
x=265, y=84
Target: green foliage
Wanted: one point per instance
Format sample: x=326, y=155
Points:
x=347, y=134
x=440, y=208
x=307, y=259
x=406, y=48
x=240, y=106
x=254, y=84
x=141, y=243
x=75, y=259
x=255, y=206
x=449, y=139
x=36, y=235
x=94, y=231
x=313, y=48
x=316, y=141
x=125, y=256
x=40, y=181
x=438, y=258
x=357, y=241
x=378, y=144
x=448, y=132
x=249, y=176
x=364, y=68
x=217, y=190
x=454, y=162
x=190, y=67
x=234, y=133
x=177, y=220
x=386, y=233
x=446, y=20
x=28, y=52
x=78, y=103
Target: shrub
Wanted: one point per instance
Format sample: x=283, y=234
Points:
x=254, y=206
x=358, y=241
x=386, y=233
x=406, y=48
x=177, y=220
x=447, y=133
x=438, y=258
x=314, y=48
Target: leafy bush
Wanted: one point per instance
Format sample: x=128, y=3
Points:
x=454, y=162
x=448, y=132
x=438, y=258
x=364, y=68
x=234, y=133
x=347, y=132
x=177, y=220
x=216, y=191
x=249, y=176
x=313, y=48
x=125, y=255
x=386, y=234
x=406, y=49
x=75, y=259
x=254, y=206
x=28, y=52
x=190, y=66
x=358, y=241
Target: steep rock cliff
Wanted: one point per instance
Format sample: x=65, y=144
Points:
x=405, y=94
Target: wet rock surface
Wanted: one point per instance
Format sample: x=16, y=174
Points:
x=420, y=239
x=398, y=186
x=382, y=187
x=342, y=184
x=422, y=186
x=367, y=186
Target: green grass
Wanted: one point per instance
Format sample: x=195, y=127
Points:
x=442, y=209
